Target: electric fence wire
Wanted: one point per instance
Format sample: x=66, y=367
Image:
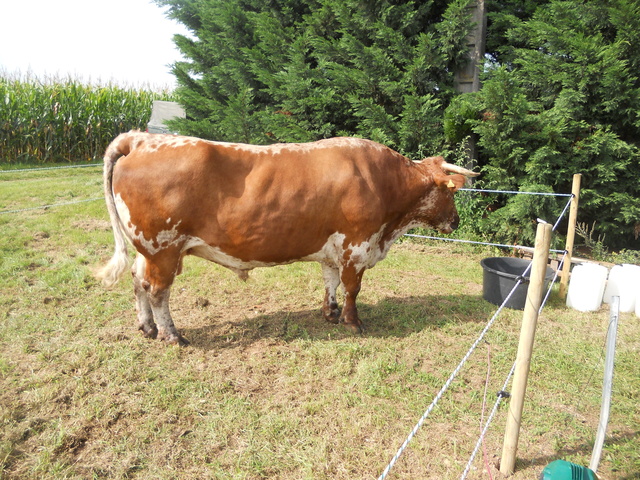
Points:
x=502, y=245
x=452, y=377
x=555, y=277
x=545, y=194
x=555, y=225
x=489, y=244
x=40, y=169
x=503, y=393
x=52, y=205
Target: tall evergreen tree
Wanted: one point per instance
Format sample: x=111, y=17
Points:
x=562, y=97
x=297, y=70
x=561, y=90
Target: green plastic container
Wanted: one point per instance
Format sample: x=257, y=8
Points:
x=562, y=470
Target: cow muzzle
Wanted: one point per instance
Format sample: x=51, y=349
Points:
x=450, y=226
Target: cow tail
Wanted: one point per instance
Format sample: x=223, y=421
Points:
x=120, y=262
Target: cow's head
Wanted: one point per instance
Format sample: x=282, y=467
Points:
x=437, y=209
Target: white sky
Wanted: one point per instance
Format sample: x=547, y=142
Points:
x=128, y=42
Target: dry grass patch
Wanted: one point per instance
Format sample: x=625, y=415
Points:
x=267, y=389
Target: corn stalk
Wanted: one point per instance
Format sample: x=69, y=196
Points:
x=65, y=120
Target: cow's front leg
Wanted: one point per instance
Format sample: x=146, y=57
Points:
x=351, y=278
x=143, y=307
x=330, y=309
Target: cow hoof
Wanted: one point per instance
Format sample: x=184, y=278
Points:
x=149, y=332
x=177, y=340
x=174, y=339
x=331, y=312
x=333, y=317
x=183, y=342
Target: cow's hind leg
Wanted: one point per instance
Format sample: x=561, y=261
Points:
x=351, y=278
x=330, y=309
x=160, y=272
x=159, y=301
x=143, y=307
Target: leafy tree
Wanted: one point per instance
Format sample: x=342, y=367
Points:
x=562, y=97
x=298, y=70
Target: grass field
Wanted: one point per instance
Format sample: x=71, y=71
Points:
x=267, y=389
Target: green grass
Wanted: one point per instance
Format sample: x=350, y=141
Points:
x=268, y=389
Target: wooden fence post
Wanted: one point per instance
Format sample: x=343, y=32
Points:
x=571, y=233
x=525, y=347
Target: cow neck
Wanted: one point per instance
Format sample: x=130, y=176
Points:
x=412, y=189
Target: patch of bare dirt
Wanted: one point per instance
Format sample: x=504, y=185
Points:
x=92, y=225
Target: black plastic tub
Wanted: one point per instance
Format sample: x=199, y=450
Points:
x=500, y=276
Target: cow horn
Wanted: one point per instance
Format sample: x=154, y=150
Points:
x=448, y=167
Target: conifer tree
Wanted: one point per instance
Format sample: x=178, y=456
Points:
x=562, y=97
x=561, y=93
x=298, y=70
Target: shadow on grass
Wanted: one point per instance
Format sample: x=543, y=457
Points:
x=391, y=317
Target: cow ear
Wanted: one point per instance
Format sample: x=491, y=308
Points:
x=441, y=178
x=452, y=182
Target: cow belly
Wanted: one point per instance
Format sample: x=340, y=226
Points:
x=200, y=248
x=336, y=251
x=214, y=254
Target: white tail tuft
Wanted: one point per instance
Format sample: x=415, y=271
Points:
x=119, y=263
x=115, y=269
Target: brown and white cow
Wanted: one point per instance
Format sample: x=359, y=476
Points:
x=341, y=202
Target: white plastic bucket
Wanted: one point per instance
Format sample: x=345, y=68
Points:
x=624, y=282
x=634, y=287
x=586, y=287
x=613, y=284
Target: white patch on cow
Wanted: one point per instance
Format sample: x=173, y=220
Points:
x=428, y=209
x=162, y=240
x=166, y=238
x=153, y=142
x=123, y=212
x=139, y=266
x=331, y=252
x=361, y=255
x=200, y=248
x=278, y=148
x=331, y=277
x=138, y=139
x=150, y=147
x=177, y=141
x=430, y=200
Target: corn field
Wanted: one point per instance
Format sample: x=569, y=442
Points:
x=64, y=120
